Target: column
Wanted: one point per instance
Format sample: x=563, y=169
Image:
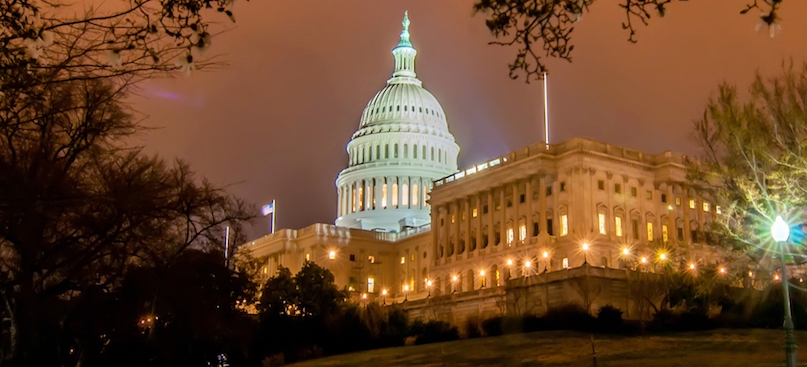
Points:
x=491, y=207
x=467, y=214
x=503, y=209
x=516, y=202
x=542, y=205
x=672, y=230
x=528, y=214
x=435, y=230
x=478, y=220
x=456, y=226
x=686, y=211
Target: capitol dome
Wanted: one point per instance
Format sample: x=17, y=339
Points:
x=402, y=145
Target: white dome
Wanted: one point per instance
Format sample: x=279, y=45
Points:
x=402, y=146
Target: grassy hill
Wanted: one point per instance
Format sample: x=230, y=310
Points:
x=723, y=347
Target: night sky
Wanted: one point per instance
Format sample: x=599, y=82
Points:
x=273, y=123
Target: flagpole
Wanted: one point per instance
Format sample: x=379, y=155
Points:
x=546, y=114
x=226, y=243
x=274, y=214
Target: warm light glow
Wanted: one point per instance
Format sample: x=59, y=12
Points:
x=364, y=296
x=528, y=264
x=428, y=283
x=722, y=270
x=663, y=256
x=384, y=292
x=509, y=262
x=776, y=277
x=406, y=288
x=546, y=254
x=454, y=278
x=625, y=251
x=692, y=266
x=750, y=273
x=780, y=230
x=585, y=247
x=644, y=260
x=332, y=255
x=482, y=272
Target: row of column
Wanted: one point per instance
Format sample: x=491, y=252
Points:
x=384, y=192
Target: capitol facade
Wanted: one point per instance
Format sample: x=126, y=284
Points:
x=514, y=234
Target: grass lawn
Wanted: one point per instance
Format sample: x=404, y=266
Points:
x=723, y=347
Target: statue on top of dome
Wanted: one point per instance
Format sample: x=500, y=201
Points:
x=405, y=34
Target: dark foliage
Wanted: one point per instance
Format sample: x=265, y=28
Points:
x=435, y=331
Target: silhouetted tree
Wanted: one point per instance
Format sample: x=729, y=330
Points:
x=544, y=27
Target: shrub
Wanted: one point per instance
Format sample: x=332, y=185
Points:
x=492, y=326
x=609, y=319
x=437, y=331
x=570, y=317
x=473, y=327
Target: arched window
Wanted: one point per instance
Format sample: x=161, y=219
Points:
x=439, y=155
x=377, y=152
x=415, y=151
x=370, y=154
x=395, y=151
x=386, y=150
x=353, y=207
x=405, y=196
x=432, y=154
x=384, y=195
x=359, y=197
x=395, y=194
x=424, y=152
x=406, y=150
x=415, y=194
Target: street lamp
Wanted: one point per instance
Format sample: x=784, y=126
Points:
x=406, y=291
x=454, y=286
x=429, y=287
x=780, y=231
x=482, y=277
x=585, y=253
x=384, y=293
x=527, y=266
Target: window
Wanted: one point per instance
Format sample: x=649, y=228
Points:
x=649, y=231
x=550, y=230
x=564, y=225
x=403, y=260
x=452, y=218
x=562, y=187
x=415, y=151
x=415, y=194
x=692, y=203
x=510, y=235
x=353, y=209
x=352, y=257
x=649, y=194
x=634, y=192
x=663, y=198
x=404, y=195
x=307, y=257
x=509, y=202
x=484, y=209
x=601, y=222
x=412, y=256
x=406, y=150
x=370, y=285
x=522, y=232
x=386, y=150
x=432, y=154
x=678, y=201
x=384, y=195
x=521, y=198
x=618, y=226
x=705, y=206
x=601, y=185
x=664, y=235
x=548, y=190
x=371, y=259
x=473, y=212
x=717, y=209
x=617, y=188
x=604, y=262
x=462, y=216
x=535, y=229
x=359, y=198
x=395, y=194
x=565, y=262
x=377, y=152
x=635, y=227
x=439, y=155
x=395, y=151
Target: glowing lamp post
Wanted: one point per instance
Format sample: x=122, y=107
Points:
x=780, y=232
x=527, y=266
x=384, y=294
x=482, y=278
x=585, y=253
x=454, y=283
x=406, y=292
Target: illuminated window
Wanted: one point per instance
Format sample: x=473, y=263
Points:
x=405, y=196
x=565, y=262
x=692, y=203
x=452, y=218
x=353, y=209
x=415, y=194
x=473, y=212
x=601, y=219
x=717, y=209
x=678, y=201
x=462, y=216
x=425, y=192
x=618, y=225
x=412, y=257
x=370, y=285
x=664, y=235
x=307, y=257
x=705, y=206
x=564, y=225
x=510, y=235
x=522, y=232
x=371, y=258
x=384, y=196
x=403, y=259
x=497, y=278
x=359, y=200
x=649, y=231
x=395, y=194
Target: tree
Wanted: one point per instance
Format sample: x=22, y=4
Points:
x=545, y=26
x=755, y=159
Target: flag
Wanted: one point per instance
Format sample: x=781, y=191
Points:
x=268, y=208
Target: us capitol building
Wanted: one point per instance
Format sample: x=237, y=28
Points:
x=514, y=234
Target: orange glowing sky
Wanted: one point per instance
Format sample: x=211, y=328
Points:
x=275, y=122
